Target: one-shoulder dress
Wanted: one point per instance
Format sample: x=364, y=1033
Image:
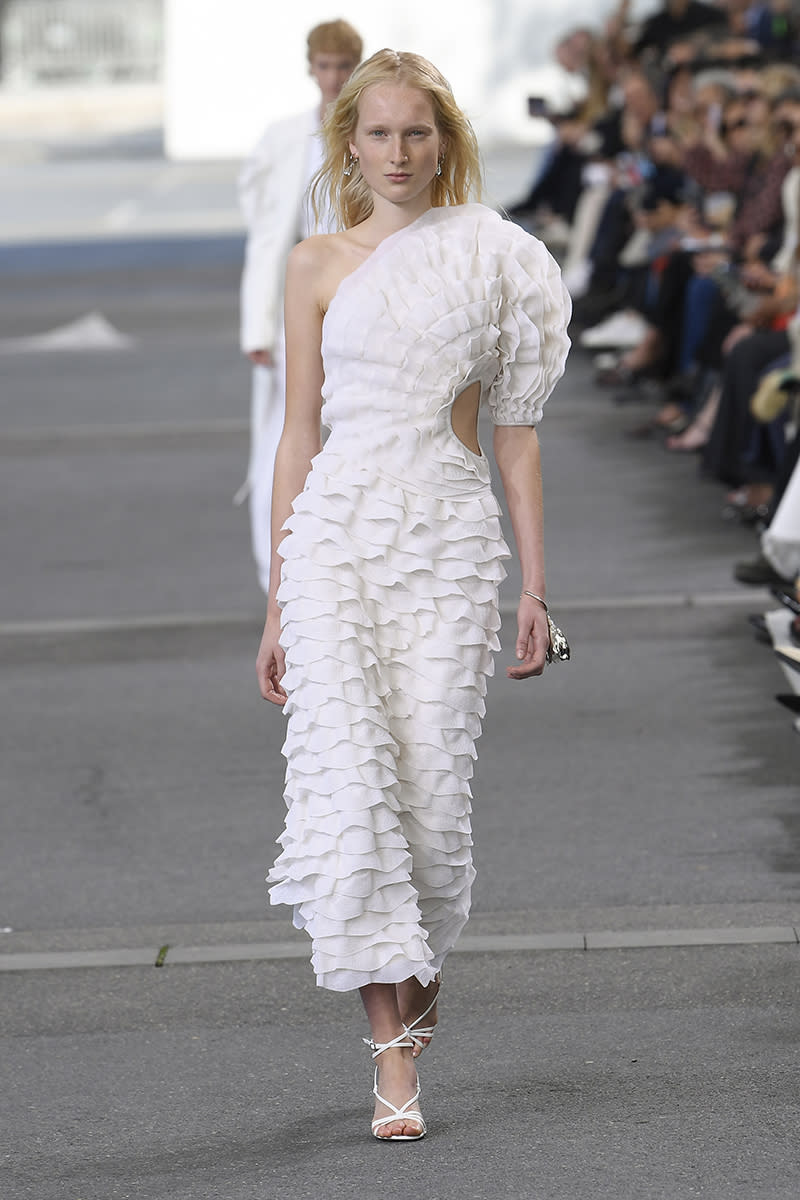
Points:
x=388, y=591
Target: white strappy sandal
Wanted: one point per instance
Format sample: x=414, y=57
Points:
x=406, y=1112
x=416, y=1031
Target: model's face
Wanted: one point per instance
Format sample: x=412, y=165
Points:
x=331, y=72
x=396, y=141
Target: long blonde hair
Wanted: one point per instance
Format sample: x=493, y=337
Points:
x=350, y=197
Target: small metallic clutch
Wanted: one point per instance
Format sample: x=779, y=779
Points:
x=559, y=646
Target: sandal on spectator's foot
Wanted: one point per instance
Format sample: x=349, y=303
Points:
x=421, y=1035
x=616, y=376
x=693, y=438
x=748, y=504
x=671, y=418
x=673, y=425
x=407, y=1113
x=745, y=514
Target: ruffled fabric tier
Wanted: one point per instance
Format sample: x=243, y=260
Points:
x=389, y=644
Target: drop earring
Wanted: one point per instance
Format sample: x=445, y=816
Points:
x=439, y=167
x=349, y=168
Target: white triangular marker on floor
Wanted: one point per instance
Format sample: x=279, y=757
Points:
x=92, y=332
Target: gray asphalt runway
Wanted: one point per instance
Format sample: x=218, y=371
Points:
x=642, y=797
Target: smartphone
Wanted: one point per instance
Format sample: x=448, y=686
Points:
x=537, y=106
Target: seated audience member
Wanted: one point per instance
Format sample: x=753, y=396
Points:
x=551, y=202
x=675, y=20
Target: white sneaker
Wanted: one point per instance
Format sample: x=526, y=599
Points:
x=622, y=329
x=554, y=232
x=635, y=251
x=577, y=278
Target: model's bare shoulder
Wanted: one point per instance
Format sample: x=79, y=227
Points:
x=308, y=265
x=328, y=258
x=312, y=254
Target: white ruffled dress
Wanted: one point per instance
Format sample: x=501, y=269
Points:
x=389, y=588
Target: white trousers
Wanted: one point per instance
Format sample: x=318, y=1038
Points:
x=267, y=411
x=781, y=541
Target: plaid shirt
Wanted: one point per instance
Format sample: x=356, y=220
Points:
x=760, y=209
x=713, y=174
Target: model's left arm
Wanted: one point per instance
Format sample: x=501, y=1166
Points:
x=516, y=449
x=533, y=346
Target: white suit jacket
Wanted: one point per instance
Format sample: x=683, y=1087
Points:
x=272, y=184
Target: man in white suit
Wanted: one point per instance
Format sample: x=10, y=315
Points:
x=273, y=194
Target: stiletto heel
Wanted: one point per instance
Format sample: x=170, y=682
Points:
x=406, y=1113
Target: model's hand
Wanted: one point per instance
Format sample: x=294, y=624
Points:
x=533, y=640
x=261, y=358
x=271, y=663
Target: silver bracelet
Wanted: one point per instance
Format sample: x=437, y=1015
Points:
x=533, y=596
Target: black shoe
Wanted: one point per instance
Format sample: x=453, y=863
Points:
x=789, y=658
x=758, y=571
x=787, y=594
x=747, y=514
x=758, y=621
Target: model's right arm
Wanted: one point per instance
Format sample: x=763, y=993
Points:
x=300, y=439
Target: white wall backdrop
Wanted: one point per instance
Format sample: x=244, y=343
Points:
x=232, y=67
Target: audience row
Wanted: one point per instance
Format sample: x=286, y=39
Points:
x=671, y=193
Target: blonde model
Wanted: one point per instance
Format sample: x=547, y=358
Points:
x=382, y=615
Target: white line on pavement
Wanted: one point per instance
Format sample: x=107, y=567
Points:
x=168, y=181
x=629, y=939
x=121, y=216
x=190, y=620
x=143, y=429
x=159, y=621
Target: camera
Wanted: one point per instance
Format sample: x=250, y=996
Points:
x=537, y=106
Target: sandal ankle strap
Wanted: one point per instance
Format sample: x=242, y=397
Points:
x=402, y=1040
x=415, y=1023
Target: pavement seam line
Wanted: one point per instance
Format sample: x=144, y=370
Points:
x=170, y=954
x=145, y=430
x=169, y=621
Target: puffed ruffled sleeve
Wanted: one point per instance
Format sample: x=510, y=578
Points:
x=534, y=313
